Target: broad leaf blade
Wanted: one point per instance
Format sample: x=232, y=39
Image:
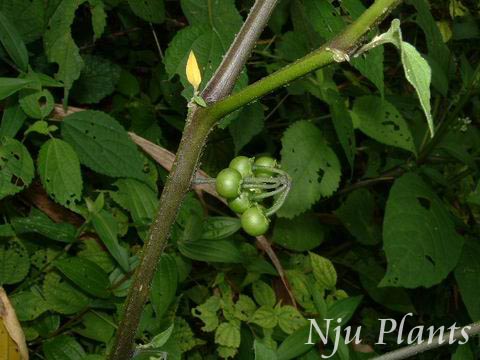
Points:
x=13, y=43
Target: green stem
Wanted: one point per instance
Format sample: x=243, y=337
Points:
x=345, y=42
x=199, y=123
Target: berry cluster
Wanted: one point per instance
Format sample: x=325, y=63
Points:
x=246, y=183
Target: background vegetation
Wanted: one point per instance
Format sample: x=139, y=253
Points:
x=382, y=219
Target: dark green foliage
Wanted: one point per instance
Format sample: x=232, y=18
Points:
x=382, y=219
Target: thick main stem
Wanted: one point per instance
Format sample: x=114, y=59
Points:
x=176, y=186
x=199, y=123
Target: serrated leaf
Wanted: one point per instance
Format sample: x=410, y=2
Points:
x=16, y=167
x=9, y=86
x=467, y=274
x=149, y=10
x=300, y=233
x=107, y=228
x=263, y=294
x=419, y=236
x=379, y=119
x=207, y=312
x=164, y=285
x=312, y=165
x=102, y=144
x=63, y=347
x=12, y=120
x=87, y=275
x=59, y=170
x=342, y=121
x=61, y=296
x=93, y=251
x=36, y=104
x=265, y=317
x=289, y=319
x=14, y=262
x=97, y=80
x=228, y=334
x=13, y=43
x=323, y=271
x=29, y=305
x=59, y=45
x=244, y=307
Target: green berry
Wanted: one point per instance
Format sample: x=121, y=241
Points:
x=266, y=161
x=254, y=221
x=243, y=165
x=240, y=204
x=228, y=183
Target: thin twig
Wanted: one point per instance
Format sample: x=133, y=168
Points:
x=412, y=350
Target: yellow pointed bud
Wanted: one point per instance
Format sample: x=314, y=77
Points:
x=193, y=71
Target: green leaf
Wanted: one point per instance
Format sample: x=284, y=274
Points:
x=96, y=326
x=343, y=309
x=40, y=127
x=265, y=317
x=87, y=275
x=16, y=167
x=63, y=347
x=164, y=285
x=343, y=123
x=262, y=352
x=12, y=120
x=99, y=17
x=323, y=271
x=102, y=144
x=9, y=86
x=28, y=16
x=213, y=26
x=149, y=10
x=294, y=345
x=228, y=334
x=37, y=104
x=328, y=22
x=59, y=170
x=380, y=120
x=463, y=352
x=419, y=236
x=13, y=43
x=211, y=251
x=312, y=164
x=419, y=74
x=299, y=234
x=59, y=45
x=107, y=228
x=136, y=197
x=61, y=296
x=97, y=80
x=357, y=215
x=93, y=251
x=28, y=305
x=38, y=222
x=14, y=262
x=220, y=227
x=467, y=274
x=263, y=294
x=207, y=312
x=249, y=123
x=289, y=319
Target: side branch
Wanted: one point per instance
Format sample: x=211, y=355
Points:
x=412, y=350
x=327, y=54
